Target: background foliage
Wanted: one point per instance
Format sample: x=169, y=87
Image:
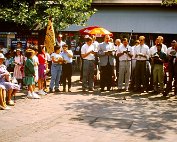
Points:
x=169, y=2
x=35, y=13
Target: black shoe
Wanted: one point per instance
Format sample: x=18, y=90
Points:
x=90, y=89
x=83, y=90
x=50, y=90
x=108, y=88
x=64, y=89
x=102, y=90
x=69, y=89
x=164, y=94
x=154, y=92
x=57, y=90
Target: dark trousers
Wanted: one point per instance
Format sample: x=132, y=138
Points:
x=66, y=74
x=171, y=71
x=117, y=68
x=106, y=76
x=175, y=76
x=140, y=73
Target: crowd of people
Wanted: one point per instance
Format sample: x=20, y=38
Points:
x=136, y=68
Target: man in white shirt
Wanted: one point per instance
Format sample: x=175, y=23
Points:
x=153, y=49
x=142, y=55
x=171, y=54
x=160, y=40
x=60, y=42
x=133, y=65
x=87, y=54
x=125, y=54
x=3, y=49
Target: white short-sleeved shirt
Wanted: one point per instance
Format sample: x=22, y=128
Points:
x=153, y=50
x=85, y=49
x=48, y=56
x=142, y=49
x=169, y=50
x=56, y=56
x=121, y=49
x=164, y=48
x=60, y=44
x=19, y=59
x=35, y=60
x=66, y=58
x=116, y=47
x=133, y=50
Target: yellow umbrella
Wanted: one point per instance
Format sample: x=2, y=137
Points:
x=100, y=32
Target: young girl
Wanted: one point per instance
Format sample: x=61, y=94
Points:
x=18, y=70
x=36, y=63
x=42, y=68
x=56, y=69
x=30, y=74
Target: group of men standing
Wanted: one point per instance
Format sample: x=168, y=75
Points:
x=139, y=66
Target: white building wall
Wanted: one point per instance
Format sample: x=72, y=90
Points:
x=140, y=20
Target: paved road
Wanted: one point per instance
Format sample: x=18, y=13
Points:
x=90, y=117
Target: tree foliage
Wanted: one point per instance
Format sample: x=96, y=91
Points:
x=35, y=13
x=169, y=2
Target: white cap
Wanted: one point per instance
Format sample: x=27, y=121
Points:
x=86, y=36
x=1, y=56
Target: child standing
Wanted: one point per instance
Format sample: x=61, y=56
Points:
x=30, y=74
x=67, y=67
x=56, y=69
x=18, y=70
x=42, y=68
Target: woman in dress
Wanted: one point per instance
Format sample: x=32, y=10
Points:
x=19, y=70
x=11, y=88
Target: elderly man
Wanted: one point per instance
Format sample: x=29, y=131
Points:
x=60, y=42
x=125, y=54
x=142, y=55
x=106, y=57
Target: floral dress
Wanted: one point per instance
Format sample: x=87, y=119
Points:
x=8, y=85
x=18, y=74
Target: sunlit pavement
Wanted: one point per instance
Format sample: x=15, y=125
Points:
x=90, y=117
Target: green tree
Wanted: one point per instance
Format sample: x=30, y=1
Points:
x=169, y=2
x=35, y=13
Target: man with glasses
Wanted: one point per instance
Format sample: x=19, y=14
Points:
x=60, y=42
x=142, y=55
x=125, y=54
